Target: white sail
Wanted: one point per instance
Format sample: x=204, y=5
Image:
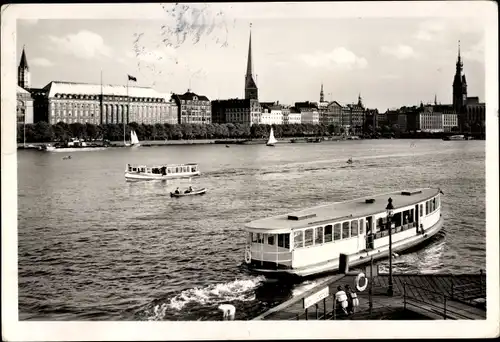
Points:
x=133, y=138
x=272, y=140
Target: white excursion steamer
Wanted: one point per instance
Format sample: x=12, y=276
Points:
x=161, y=172
x=310, y=241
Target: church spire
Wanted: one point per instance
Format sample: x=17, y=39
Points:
x=251, y=91
x=23, y=71
x=321, y=94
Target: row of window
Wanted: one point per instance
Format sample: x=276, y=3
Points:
x=115, y=98
x=320, y=235
x=283, y=240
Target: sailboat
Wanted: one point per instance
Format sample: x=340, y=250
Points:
x=134, y=140
x=272, y=140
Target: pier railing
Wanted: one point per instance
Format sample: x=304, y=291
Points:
x=435, y=303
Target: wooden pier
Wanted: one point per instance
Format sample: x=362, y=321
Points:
x=416, y=296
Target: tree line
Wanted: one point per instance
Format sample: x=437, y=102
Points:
x=44, y=132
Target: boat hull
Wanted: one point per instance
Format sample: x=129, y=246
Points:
x=75, y=149
x=193, y=193
x=356, y=259
x=147, y=176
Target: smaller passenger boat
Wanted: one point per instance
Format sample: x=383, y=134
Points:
x=455, y=137
x=161, y=172
x=192, y=193
x=75, y=145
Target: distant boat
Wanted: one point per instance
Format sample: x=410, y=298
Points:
x=194, y=192
x=161, y=172
x=272, y=140
x=349, y=161
x=455, y=137
x=134, y=140
x=75, y=145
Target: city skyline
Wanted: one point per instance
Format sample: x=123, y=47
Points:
x=412, y=59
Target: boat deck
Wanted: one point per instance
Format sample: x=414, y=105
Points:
x=351, y=208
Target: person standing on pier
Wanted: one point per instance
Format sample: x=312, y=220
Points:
x=352, y=299
x=341, y=298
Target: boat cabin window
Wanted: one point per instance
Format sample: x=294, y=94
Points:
x=437, y=202
x=298, y=239
x=381, y=222
x=284, y=240
x=328, y=233
x=134, y=169
x=318, y=236
x=308, y=237
x=270, y=239
x=346, y=231
x=354, y=228
x=257, y=237
x=337, y=233
x=169, y=170
x=421, y=210
x=397, y=219
x=193, y=169
x=143, y=169
x=361, y=226
x=176, y=170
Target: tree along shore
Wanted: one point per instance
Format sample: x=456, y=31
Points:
x=43, y=132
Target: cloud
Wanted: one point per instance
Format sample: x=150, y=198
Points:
x=338, y=57
x=429, y=30
x=40, y=61
x=390, y=77
x=84, y=44
x=399, y=51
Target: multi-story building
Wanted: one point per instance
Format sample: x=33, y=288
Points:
x=24, y=106
x=243, y=111
x=475, y=114
x=294, y=116
x=285, y=111
x=193, y=108
x=101, y=104
x=371, y=117
x=332, y=115
x=271, y=114
x=72, y=102
x=309, y=112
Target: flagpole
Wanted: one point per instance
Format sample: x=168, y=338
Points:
x=123, y=116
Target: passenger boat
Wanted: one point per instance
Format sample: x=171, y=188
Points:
x=455, y=137
x=75, y=145
x=161, y=172
x=310, y=241
x=192, y=193
x=272, y=140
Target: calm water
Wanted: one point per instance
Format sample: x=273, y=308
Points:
x=95, y=247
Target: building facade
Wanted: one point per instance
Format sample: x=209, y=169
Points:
x=272, y=114
x=193, y=108
x=294, y=116
x=333, y=114
x=102, y=104
x=24, y=107
x=309, y=112
x=243, y=111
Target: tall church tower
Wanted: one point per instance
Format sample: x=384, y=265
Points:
x=459, y=86
x=321, y=94
x=251, y=91
x=23, y=72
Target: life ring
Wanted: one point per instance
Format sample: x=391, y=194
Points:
x=357, y=282
x=248, y=256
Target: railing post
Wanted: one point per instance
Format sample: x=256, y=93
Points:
x=317, y=317
x=404, y=294
x=444, y=314
x=324, y=308
x=452, y=290
x=298, y=317
x=307, y=318
x=334, y=309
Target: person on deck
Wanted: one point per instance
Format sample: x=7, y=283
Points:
x=177, y=191
x=341, y=298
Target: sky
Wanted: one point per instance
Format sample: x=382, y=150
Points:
x=390, y=60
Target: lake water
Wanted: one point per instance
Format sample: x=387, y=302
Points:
x=92, y=246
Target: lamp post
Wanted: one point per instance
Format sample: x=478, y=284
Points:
x=389, y=210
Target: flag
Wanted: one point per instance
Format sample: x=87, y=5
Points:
x=132, y=78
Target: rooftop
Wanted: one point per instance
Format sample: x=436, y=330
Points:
x=58, y=87
x=334, y=211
